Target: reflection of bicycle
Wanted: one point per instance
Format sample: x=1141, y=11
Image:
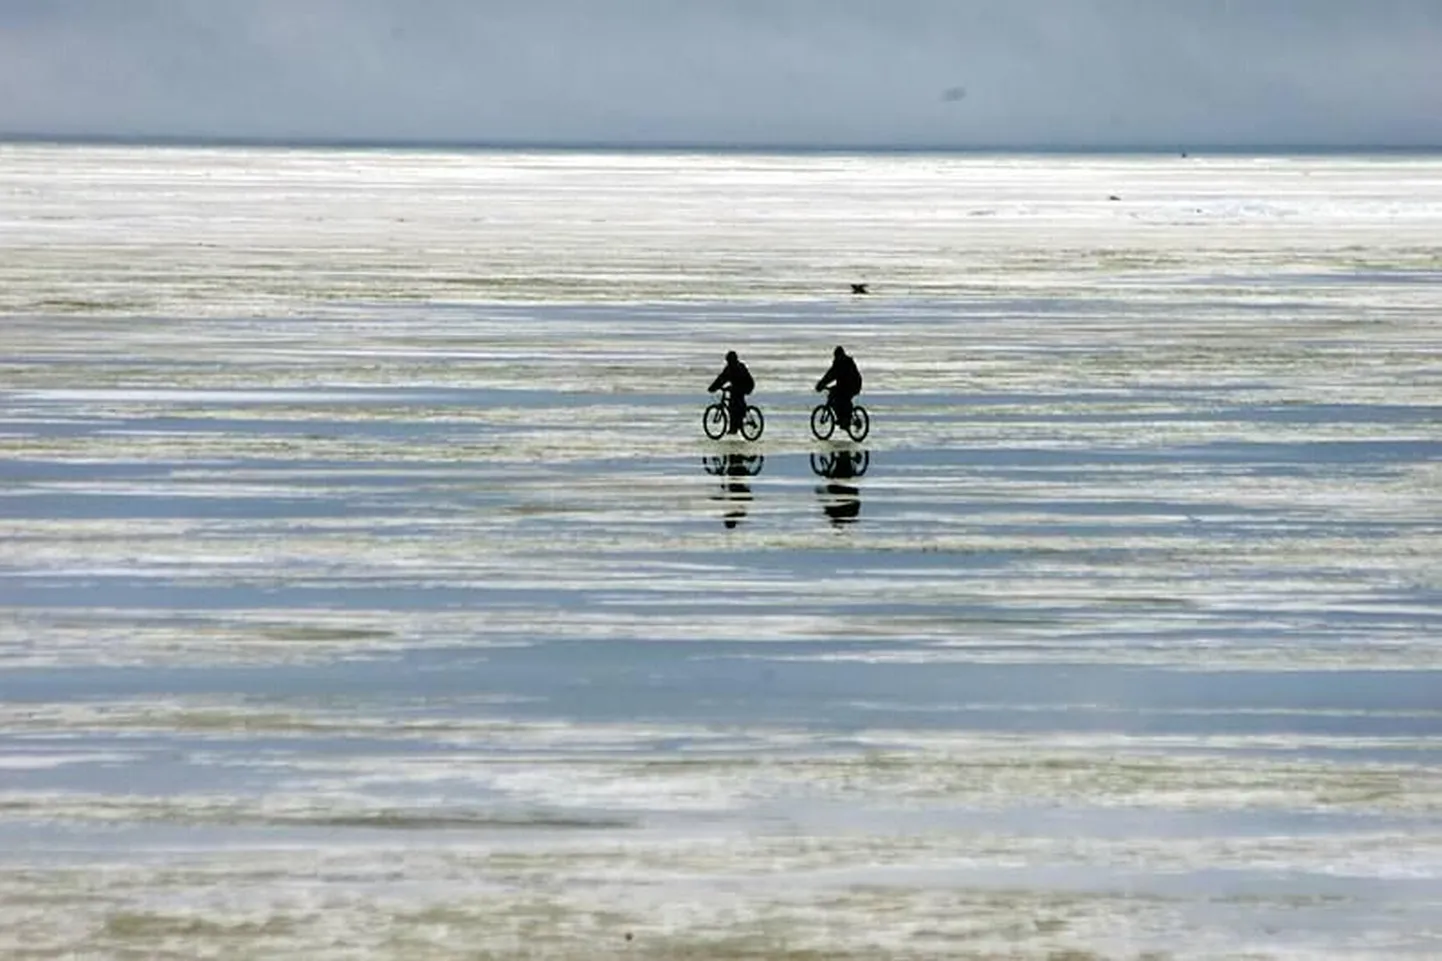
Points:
x=733, y=465
x=823, y=422
x=716, y=419
x=735, y=470
x=841, y=464
x=840, y=498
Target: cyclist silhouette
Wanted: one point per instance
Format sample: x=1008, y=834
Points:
x=845, y=382
x=738, y=379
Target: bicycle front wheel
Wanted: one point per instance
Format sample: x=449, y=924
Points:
x=823, y=422
x=713, y=421
x=860, y=424
x=753, y=423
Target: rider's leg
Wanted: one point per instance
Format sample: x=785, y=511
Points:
x=737, y=413
x=840, y=406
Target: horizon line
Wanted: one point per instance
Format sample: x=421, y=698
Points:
x=690, y=146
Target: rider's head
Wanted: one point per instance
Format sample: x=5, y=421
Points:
x=730, y=355
x=838, y=352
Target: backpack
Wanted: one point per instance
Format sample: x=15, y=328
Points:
x=744, y=382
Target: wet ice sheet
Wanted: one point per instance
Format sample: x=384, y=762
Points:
x=1007, y=514
x=348, y=611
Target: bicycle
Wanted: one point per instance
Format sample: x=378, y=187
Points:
x=823, y=422
x=716, y=419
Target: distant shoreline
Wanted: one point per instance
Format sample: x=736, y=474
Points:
x=661, y=147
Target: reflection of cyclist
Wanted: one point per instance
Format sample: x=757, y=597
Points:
x=735, y=492
x=845, y=383
x=841, y=501
x=737, y=379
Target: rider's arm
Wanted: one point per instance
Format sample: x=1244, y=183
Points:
x=719, y=382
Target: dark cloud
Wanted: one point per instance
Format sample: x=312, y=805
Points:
x=784, y=72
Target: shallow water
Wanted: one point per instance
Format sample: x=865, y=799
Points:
x=369, y=589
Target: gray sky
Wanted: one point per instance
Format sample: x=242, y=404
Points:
x=732, y=72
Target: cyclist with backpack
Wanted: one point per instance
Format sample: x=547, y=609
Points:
x=739, y=383
x=844, y=379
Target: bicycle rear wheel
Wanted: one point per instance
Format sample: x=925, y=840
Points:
x=860, y=424
x=713, y=421
x=753, y=423
x=823, y=422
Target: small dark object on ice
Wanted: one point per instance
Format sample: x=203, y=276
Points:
x=1113, y=197
x=859, y=289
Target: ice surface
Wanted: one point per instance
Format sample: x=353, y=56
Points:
x=364, y=591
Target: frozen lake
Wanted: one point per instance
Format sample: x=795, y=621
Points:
x=369, y=590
